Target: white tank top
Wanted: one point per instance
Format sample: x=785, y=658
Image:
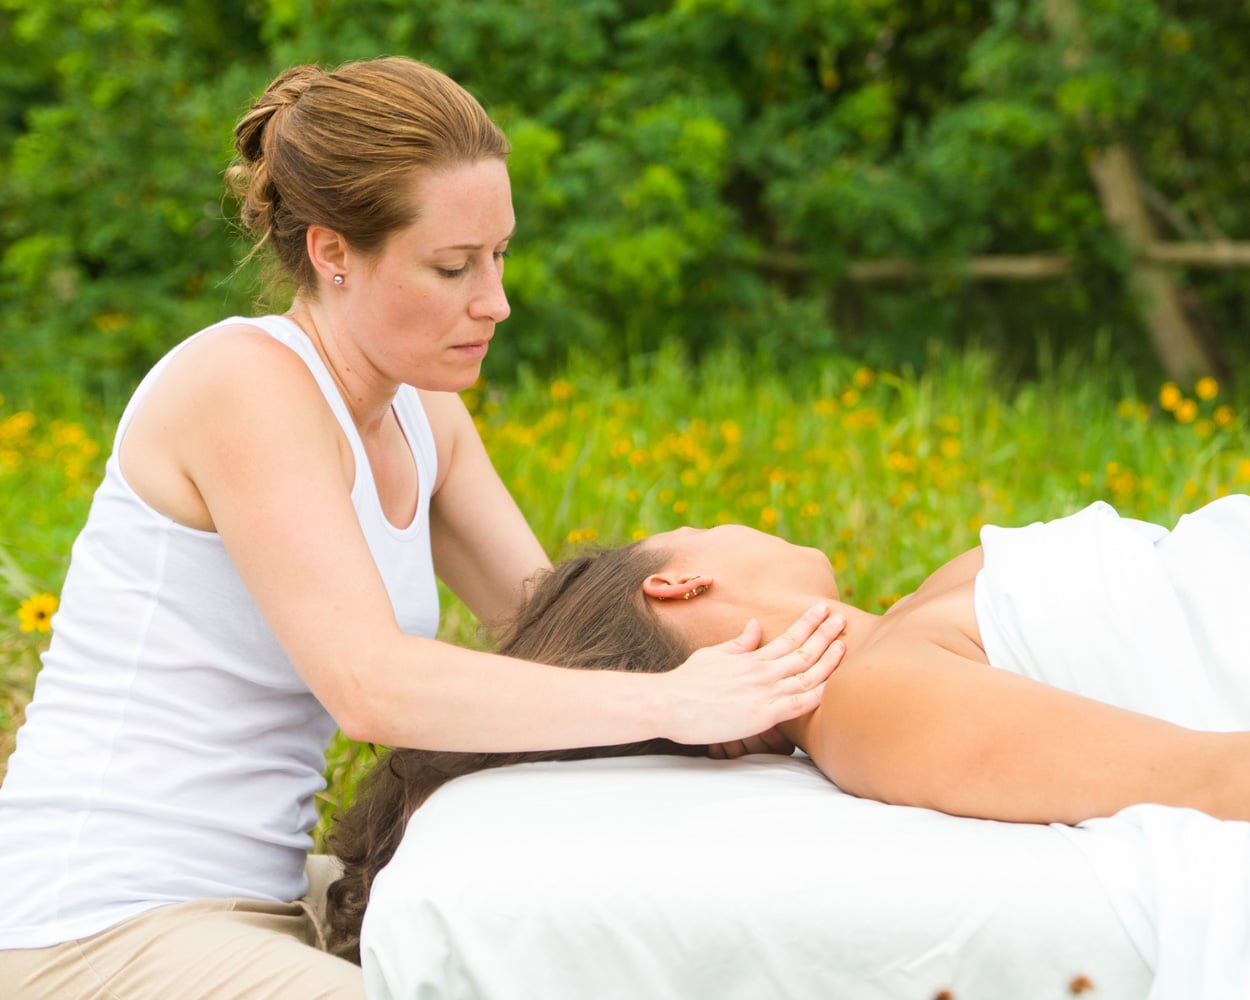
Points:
x=171, y=751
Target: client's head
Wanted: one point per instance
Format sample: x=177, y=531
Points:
x=645, y=607
x=709, y=582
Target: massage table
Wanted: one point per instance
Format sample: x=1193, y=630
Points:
x=758, y=879
x=753, y=879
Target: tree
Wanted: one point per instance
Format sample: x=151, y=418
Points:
x=699, y=170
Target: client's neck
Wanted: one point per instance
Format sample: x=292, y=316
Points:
x=860, y=624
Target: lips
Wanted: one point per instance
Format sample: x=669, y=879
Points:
x=474, y=349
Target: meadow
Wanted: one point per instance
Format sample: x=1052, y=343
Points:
x=889, y=472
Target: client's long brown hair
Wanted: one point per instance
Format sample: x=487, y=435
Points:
x=588, y=613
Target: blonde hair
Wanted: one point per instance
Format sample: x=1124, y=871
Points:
x=340, y=149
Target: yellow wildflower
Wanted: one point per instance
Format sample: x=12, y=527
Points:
x=900, y=462
x=1206, y=388
x=561, y=390
x=1223, y=416
x=35, y=613
x=17, y=425
x=1170, y=396
x=1186, y=411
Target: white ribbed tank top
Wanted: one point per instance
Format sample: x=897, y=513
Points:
x=171, y=751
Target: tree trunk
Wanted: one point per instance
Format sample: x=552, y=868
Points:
x=1182, y=353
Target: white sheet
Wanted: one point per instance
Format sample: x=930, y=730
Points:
x=1156, y=621
x=1127, y=612
x=1180, y=881
x=652, y=878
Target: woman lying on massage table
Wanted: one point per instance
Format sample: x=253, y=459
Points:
x=1122, y=678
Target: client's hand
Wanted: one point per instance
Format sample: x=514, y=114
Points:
x=739, y=690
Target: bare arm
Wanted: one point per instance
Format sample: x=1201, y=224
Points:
x=483, y=548
x=238, y=439
x=921, y=725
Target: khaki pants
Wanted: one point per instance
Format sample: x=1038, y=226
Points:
x=208, y=949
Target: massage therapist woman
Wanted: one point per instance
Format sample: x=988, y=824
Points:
x=258, y=569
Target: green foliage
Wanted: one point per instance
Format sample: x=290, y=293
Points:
x=113, y=241
x=701, y=170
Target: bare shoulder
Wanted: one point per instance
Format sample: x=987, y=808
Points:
x=232, y=384
x=239, y=351
x=958, y=573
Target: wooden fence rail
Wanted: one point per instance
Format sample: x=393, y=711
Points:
x=1043, y=266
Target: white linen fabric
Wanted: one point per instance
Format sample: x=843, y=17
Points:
x=665, y=877
x=1155, y=621
x=689, y=878
x=171, y=751
x=1127, y=612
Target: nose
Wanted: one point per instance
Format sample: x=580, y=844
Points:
x=490, y=301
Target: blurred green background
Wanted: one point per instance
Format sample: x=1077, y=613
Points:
x=705, y=171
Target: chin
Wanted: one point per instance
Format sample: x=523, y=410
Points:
x=826, y=584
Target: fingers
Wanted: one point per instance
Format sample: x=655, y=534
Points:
x=774, y=741
x=722, y=692
x=807, y=686
x=769, y=741
x=815, y=622
x=745, y=641
x=729, y=750
x=816, y=657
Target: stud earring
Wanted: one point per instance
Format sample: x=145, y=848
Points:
x=338, y=279
x=702, y=588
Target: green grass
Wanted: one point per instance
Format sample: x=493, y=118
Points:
x=890, y=473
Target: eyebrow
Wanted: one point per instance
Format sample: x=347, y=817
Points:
x=476, y=246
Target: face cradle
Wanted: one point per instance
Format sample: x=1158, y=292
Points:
x=425, y=309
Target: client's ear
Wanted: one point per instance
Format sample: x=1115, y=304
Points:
x=685, y=588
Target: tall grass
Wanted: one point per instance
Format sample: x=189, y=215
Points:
x=891, y=473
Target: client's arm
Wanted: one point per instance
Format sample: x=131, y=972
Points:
x=920, y=725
